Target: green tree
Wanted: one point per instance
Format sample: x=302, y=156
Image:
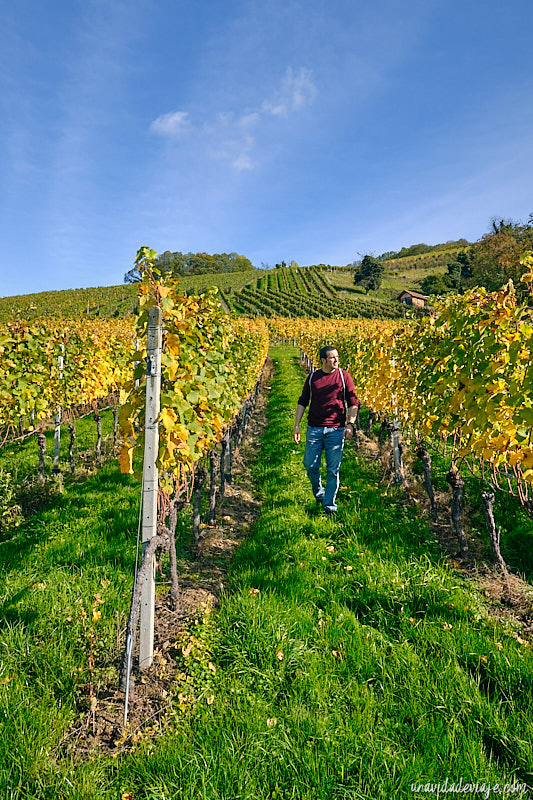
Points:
x=369, y=274
x=495, y=259
x=435, y=284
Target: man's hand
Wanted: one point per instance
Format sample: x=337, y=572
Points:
x=296, y=434
x=348, y=431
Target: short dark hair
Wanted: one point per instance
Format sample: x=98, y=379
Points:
x=325, y=350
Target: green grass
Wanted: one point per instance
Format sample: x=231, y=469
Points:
x=361, y=665
x=394, y=280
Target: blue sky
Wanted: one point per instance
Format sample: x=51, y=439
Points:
x=306, y=130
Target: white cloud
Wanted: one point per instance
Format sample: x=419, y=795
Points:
x=232, y=137
x=296, y=92
x=171, y=124
x=243, y=162
x=249, y=120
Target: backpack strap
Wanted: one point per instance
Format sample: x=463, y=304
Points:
x=343, y=386
x=310, y=389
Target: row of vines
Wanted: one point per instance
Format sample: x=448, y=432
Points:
x=463, y=376
x=209, y=366
x=305, y=292
x=51, y=364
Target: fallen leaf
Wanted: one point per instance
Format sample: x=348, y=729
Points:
x=279, y=655
x=271, y=722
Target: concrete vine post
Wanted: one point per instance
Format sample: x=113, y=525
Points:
x=57, y=427
x=150, y=480
x=395, y=435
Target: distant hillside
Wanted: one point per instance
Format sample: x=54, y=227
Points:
x=104, y=301
x=315, y=291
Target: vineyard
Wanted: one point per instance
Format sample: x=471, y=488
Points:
x=284, y=291
x=336, y=658
x=305, y=292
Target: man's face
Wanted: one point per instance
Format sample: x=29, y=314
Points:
x=331, y=361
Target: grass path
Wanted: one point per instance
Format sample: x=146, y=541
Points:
x=351, y=662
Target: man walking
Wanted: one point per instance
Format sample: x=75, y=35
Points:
x=330, y=394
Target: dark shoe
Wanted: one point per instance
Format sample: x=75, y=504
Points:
x=329, y=512
x=318, y=500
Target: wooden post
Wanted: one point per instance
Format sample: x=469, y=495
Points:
x=150, y=480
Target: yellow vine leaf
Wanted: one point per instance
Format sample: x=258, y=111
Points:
x=125, y=459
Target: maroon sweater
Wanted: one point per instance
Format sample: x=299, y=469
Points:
x=327, y=398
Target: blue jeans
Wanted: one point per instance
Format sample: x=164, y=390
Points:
x=330, y=440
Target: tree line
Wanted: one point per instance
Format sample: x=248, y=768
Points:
x=491, y=262
x=174, y=264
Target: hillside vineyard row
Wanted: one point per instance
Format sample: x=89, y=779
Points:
x=464, y=373
x=210, y=364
